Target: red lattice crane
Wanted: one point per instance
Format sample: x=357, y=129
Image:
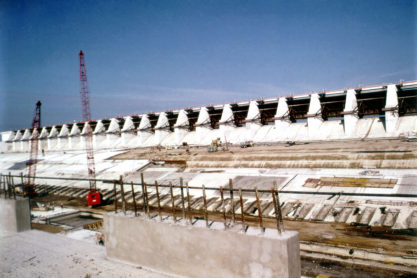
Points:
x=29, y=188
x=94, y=197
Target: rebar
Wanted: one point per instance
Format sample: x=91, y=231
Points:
x=223, y=208
x=134, y=199
x=182, y=198
x=122, y=190
x=158, y=200
x=258, y=203
x=241, y=210
x=172, y=202
x=143, y=192
x=115, y=195
x=147, y=209
x=232, y=200
x=205, y=206
x=189, y=204
x=274, y=199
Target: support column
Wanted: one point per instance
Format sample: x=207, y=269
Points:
x=350, y=113
x=112, y=134
x=144, y=129
x=314, y=116
x=181, y=127
x=282, y=117
x=203, y=126
x=253, y=120
x=161, y=128
x=128, y=135
x=99, y=135
x=52, y=140
x=226, y=122
x=391, y=109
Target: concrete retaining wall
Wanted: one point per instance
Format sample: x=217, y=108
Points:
x=192, y=251
x=14, y=216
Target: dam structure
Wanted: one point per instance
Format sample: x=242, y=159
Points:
x=386, y=111
x=344, y=164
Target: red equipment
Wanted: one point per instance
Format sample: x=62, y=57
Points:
x=29, y=188
x=94, y=197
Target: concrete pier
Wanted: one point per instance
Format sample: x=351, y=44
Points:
x=193, y=251
x=14, y=216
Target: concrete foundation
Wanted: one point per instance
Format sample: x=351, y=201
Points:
x=192, y=251
x=14, y=216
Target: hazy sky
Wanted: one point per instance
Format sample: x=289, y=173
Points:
x=144, y=56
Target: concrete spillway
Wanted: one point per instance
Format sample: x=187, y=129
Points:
x=370, y=112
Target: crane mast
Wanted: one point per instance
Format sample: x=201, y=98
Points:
x=94, y=197
x=29, y=189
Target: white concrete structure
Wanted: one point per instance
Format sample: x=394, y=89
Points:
x=144, y=129
x=294, y=120
x=192, y=251
x=350, y=112
x=14, y=216
x=181, y=127
x=314, y=116
x=391, y=109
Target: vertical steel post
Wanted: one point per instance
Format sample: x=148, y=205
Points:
x=146, y=199
x=123, y=194
x=115, y=195
x=172, y=202
x=205, y=206
x=158, y=200
x=232, y=200
x=274, y=199
x=241, y=210
x=223, y=207
x=279, y=208
x=134, y=199
x=259, y=210
x=189, y=204
x=182, y=197
x=143, y=192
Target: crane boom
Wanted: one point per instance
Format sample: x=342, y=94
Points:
x=29, y=189
x=94, y=197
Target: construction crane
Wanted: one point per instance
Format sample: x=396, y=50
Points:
x=29, y=187
x=94, y=197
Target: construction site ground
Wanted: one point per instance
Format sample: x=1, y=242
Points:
x=359, y=162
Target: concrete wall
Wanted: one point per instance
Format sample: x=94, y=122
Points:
x=192, y=251
x=14, y=216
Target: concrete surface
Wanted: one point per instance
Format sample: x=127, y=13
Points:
x=193, y=251
x=14, y=216
x=39, y=254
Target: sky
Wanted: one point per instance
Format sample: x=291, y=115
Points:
x=151, y=56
